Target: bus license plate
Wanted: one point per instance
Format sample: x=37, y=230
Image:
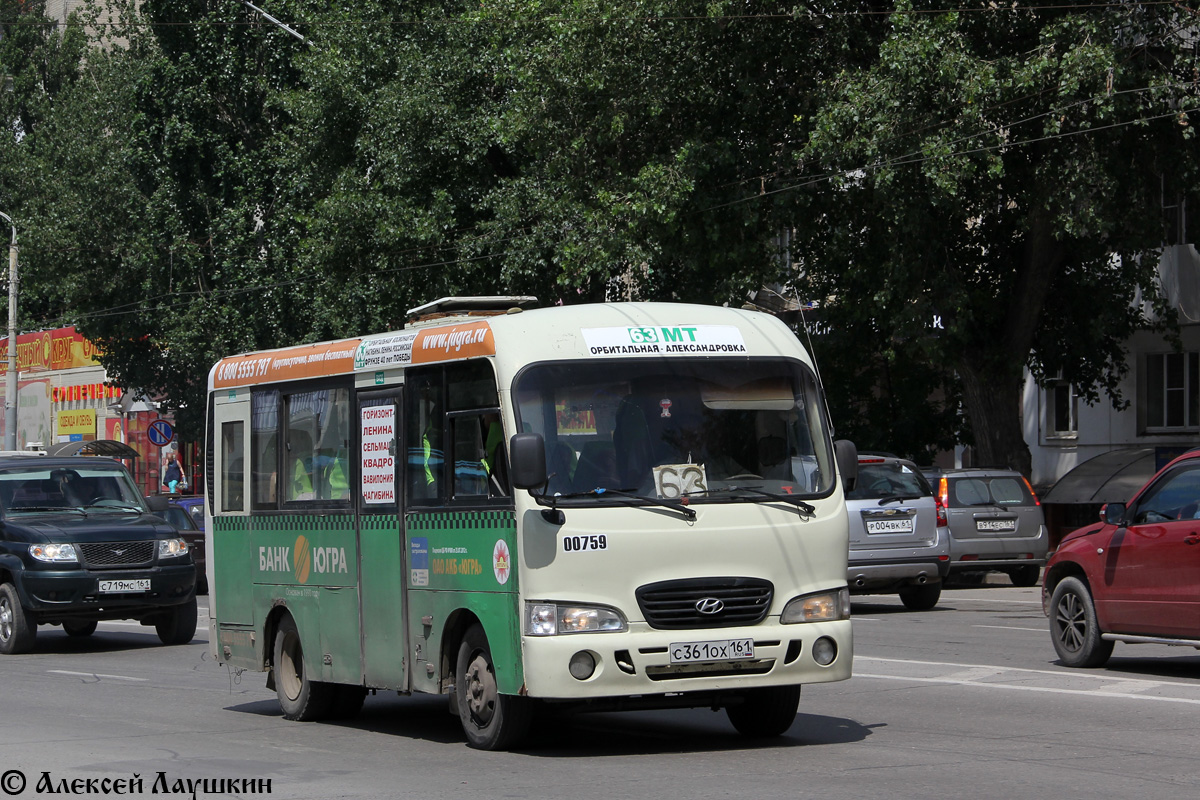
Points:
x=995, y=524
x=724, y=650
x=118, y=587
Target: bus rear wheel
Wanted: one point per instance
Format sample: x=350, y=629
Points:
x=300, y=698
x=491, y=721
x=765, y=712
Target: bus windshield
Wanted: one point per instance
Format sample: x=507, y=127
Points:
x=667, y=428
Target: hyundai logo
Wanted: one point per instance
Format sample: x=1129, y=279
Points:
x=710, y=605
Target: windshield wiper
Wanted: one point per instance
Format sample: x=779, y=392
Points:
x=551, y=501
x=114, y=507
x=898, y=498
x=49, y=508
x=805, y=508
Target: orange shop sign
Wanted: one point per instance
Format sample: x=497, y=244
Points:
x=43, y=351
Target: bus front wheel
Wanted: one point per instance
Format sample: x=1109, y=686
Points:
x=765, y=712
x=300, y=698
x=491, y=721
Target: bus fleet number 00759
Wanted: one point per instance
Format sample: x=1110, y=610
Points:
x=577, y=543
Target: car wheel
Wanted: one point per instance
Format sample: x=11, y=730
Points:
x=1025, y=575
x=491, y=720
x=79, y=627
x=179, y=625
x=1073, y=626
x=921, y=598
x=300, y=698
x=765, y=712
x=17, y=629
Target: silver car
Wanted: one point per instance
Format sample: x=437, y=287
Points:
x=995, y=523
x=895, y=542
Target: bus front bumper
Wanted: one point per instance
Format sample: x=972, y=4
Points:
x=639, y=661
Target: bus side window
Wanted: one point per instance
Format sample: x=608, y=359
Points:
x=232, y=473
x=264, y=450
x=424, y=433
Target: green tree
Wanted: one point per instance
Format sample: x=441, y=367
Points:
x=992, y=187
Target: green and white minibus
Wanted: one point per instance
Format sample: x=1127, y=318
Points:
x=598, y=507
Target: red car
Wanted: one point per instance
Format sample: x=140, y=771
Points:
x=1133, y=577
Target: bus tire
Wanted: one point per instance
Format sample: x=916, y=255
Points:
x=765, y=712
x=491, y=720
x=179, y=624
x=17, y=629
x=75, y=627
x=301, y=699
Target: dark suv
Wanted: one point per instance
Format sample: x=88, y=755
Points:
x=78, y=544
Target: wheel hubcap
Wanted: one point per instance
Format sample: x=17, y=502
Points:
x=1071, y=622
x=291, y=667
x=481, y=690
x=6, y=620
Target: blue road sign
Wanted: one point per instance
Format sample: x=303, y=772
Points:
x=161, y=433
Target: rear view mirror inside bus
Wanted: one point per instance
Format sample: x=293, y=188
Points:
x=527, y=451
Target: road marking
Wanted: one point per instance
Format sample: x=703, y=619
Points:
x=1013, y=628
x=1043, y=689
x=952, y=599
x=97, y=675
x=992, y=677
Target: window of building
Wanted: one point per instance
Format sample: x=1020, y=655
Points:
x=1172, y=391
x=1062, y=405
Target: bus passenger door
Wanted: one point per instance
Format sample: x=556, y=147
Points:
x=381, y=567
x=230, y=559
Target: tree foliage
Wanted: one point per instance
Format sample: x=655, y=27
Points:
x=954, y=185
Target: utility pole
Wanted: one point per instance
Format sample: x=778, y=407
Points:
x=10, y=382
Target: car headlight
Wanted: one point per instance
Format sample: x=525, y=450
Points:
x=552, y=619
x=820, y=607
x=53, y=552
x=170, y=548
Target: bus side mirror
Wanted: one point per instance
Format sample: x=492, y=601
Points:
x=527, y=460
x=846, y=455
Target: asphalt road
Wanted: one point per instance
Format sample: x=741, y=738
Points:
x=966, y=700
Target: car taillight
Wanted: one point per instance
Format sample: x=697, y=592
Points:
x=942, y=500
x=1030, y=488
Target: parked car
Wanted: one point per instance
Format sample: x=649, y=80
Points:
x=79, y=544
x=182, y=519
x=194, y=505
x=995, y=523
x=1135, y=576
x=896, y=544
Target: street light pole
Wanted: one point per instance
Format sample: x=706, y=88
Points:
x=10, y=382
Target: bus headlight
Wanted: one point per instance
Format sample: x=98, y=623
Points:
x=820, y=607
x=53, y=552
x=552, y=619
x=170, y=548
